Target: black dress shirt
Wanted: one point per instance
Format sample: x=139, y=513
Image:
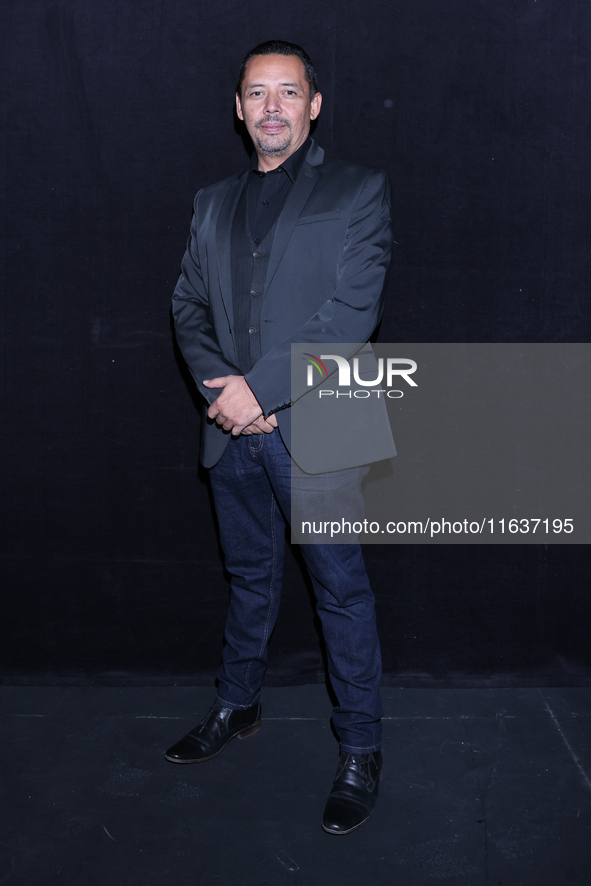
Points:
x=253, y=228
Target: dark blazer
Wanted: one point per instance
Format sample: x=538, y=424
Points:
x=324, y=285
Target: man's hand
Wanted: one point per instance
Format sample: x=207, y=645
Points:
x=236, y=407
x=261, y=426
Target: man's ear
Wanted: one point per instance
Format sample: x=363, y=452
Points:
x=315, y=105
x=239, y=108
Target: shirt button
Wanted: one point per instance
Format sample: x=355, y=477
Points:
x=254, y=292
x=252, y=330
x=265, y=202
x=256, y=241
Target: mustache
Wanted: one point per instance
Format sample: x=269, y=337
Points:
x=273, y=118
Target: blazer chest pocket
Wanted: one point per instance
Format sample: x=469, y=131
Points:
x=320, y=217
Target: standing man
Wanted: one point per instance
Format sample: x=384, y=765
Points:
x=295, y=250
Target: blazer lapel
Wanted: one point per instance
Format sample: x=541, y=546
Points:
x=303, y=187
x=223, y=237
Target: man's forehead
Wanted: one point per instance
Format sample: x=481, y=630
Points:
x=284, y=68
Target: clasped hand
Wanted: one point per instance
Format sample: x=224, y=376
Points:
x=237, y=409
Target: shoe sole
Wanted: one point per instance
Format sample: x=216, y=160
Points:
x=244, y=733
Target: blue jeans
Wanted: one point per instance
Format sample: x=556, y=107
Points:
x=252, y=492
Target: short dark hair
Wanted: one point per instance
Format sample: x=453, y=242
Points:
x=281, y=47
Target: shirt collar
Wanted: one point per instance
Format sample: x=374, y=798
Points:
x=291, y=166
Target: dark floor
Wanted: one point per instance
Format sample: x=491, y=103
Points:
x=482, y=786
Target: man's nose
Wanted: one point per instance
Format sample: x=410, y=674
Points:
x=273, y=103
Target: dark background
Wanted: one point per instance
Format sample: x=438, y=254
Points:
x=113, y=115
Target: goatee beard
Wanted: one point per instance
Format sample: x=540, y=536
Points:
x=277, y=148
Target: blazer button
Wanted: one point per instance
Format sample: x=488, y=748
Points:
x=254, y=292
x=252, y=330
x=256, y=254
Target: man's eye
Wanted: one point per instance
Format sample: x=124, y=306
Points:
x=255, y=93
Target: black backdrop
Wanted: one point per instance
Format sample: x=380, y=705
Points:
x=113, y=115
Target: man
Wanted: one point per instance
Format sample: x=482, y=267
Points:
x=295, y=250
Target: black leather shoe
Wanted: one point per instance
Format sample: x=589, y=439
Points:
x=218, y=727
x=354, y=792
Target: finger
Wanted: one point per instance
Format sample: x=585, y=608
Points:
x=261, y=425
x=220, y=382
x=236, y=429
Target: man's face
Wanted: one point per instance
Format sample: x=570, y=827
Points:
x=275, y=106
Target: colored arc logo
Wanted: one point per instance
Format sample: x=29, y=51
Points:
x=317, y=362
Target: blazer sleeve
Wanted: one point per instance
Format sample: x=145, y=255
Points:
x=194, y=328
x=352, y=311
